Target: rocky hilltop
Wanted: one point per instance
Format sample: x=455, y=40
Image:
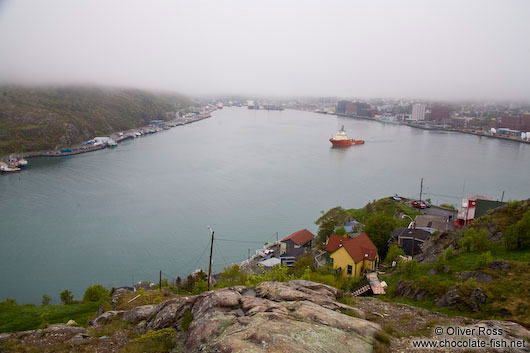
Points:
x=294, y=316
x=297, y=316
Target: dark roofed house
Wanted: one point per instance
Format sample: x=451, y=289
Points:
x=405, y=236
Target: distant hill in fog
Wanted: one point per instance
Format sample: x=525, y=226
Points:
x=42, y=118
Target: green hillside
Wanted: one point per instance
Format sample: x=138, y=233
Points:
x=482, y=270
x=43, y=118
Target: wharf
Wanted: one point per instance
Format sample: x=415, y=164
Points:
x=440, y=128
x=71, y=151
x=130, y=134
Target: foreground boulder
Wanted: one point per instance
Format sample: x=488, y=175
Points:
x=295, y=316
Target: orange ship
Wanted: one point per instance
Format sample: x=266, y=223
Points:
x=342, y=140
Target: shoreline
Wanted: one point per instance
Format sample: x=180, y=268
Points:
x=422, y=127
x=125, y=135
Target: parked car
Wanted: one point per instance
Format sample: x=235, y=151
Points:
x=396, y=197
x=427, y=204
x=418, y=204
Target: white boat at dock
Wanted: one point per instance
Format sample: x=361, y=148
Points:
x=5, y=169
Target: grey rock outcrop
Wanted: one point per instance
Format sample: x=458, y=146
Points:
x=290, y=316
x=478, y=275
x=116, y=295
x=106, y=317
x=499, y=265
x=406, y=289
x=453, y=298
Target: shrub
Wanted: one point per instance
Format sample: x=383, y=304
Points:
x=153, y=341
x=307, y=274
x=517, y=236
x=200, y=286
x=232, y=276
x=329, y=220
x=409, y=267
x=96, y=293
x=186, y=321
x=475, y=240
x=449, y=252
x=46, y=299
x=340, y=231
x=10, y=302
x=302, y=263
x=379, y=227
x=393, y=253
x=67, y=297
x=442, y=262
x=483, y=260
x=350, y=283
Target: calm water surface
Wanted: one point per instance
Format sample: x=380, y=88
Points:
x=121, y=215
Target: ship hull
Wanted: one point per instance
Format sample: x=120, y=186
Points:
x=345, y=143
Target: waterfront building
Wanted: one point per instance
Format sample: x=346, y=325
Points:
x=341, y=107
x=439, y=113
x=521, y=123
x=474, y=206
x=418, y=112
x=299, y=239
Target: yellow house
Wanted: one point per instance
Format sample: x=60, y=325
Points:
x=353, y=256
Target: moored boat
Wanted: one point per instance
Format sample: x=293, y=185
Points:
x=22, y=163
x=5, y=169
x=341, y=139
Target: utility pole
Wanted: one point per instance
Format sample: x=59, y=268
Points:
x=160, y=281
x=276, y=238
x=211, y=258
x=502, y=197
x=248, y=255
x=421, y=189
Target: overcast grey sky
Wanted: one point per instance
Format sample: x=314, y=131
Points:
x=371, y=48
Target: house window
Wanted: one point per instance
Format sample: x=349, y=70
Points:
x=331, y=261
x=350, y=269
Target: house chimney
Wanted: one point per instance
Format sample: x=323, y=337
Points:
x=340, y=245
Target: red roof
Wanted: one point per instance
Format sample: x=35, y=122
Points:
x=301, y=237
x=356, y=247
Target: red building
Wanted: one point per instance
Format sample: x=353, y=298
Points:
x=439, y=113
x=351, y=109
x=520, y=123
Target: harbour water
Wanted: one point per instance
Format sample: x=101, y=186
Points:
x=117, y=216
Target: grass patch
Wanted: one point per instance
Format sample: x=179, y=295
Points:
x=381, y=343
x=154, y=341
x=110, y=328
x=30, y=317
x=146, y=297
x=186, y=321
x=350, y=313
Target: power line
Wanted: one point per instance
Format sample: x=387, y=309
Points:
x=440, y=195
x=220, y=253
x=199, y=259
x=240, y=241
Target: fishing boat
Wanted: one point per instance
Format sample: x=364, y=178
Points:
x=341, y=139
x=5, y=169
x=15, y=162
x=22, y=163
